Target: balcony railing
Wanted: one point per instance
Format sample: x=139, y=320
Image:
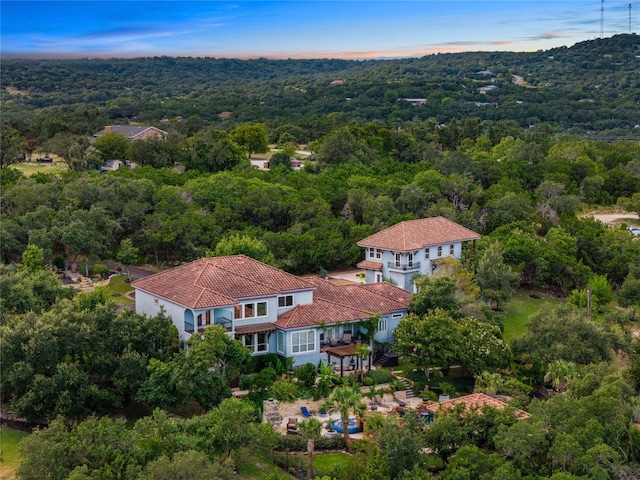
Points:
x=404, y=266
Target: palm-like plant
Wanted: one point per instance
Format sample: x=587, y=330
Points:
x=310, y=429
x=559, y=373
x=344, y=400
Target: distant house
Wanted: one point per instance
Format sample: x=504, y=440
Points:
x=415, y=101
x=412, y=247
x=133, y=132
x=111, y=165
x=271, y=311
x=487, y=88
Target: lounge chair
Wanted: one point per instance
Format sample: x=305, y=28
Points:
x=306, y=412
x=379, y=401
x=346, y=338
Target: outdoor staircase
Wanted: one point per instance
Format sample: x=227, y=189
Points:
x=406, y=385
x=387, y=359
x=84, y=284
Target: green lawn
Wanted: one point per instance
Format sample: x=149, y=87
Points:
x=9, y=459
x=325, y=463
x=118, y=285
x=520, y=308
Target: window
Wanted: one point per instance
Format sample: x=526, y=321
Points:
x=250, y=310
x=427, y=252
x=188, y=325
x=261, y=344
x=372, y=252
x=410, y=260
x=439, y=250
x=207, y=317
x=280, y=341
x=200, y=320
x=378, y=253
x=256, y=342
x=285, y=301
x=378, y=277
x=382, y=325
x=398, y=259
x=451, y=249
x=397, y=315
x=304, y=341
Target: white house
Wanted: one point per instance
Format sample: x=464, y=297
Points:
x=413, y=247
x=271, y=311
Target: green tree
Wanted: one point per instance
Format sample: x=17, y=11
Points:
x=239, y=244
x=566, y=333
x=33, y=258
x=213, y=151
x=344, y=400
x=310, y=429
x=10, y=140
x=212, y=361
x=112, y=146
x=280, y=159
x=434, y=292
x=429, y=340
x=496, y=279
x=481, y=346
x=559, y=372
x=127, y=254
x=251, y=136
x=75, y=150
x=187, y=465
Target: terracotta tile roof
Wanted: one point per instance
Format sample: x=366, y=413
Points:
x=473, y=402
x=219, y=281
x=255, y=328
x=344, y=303
x=320, y=311
x=416, y=234
x=370, y=265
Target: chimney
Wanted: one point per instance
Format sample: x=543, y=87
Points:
x=108, y=129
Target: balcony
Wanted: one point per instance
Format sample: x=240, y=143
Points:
x=404, y=267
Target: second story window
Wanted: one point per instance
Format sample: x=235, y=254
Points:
x=285, y=301
x=451, y=249
x=427, y=252
x=378, y=253
x=410, y=260
x=439, y=250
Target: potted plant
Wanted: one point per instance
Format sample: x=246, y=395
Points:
x=448, y=391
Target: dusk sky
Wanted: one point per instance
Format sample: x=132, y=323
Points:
x=301, y=29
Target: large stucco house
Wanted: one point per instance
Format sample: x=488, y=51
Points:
x=305, y=318
x=413, y=247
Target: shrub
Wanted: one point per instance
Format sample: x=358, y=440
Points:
x=100, y=269
x=284, y=390
x=306, y=374
x=379, y=376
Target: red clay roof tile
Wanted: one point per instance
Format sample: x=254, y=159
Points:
x=416, y=234
x=220, y=281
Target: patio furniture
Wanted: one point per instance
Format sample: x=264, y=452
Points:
x=346, y=338
x=379, y=401
x=306, y=412
x=292, y=426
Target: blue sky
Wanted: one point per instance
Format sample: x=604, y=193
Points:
x=300, y=29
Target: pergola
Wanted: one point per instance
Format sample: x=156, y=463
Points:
x=342, y=353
